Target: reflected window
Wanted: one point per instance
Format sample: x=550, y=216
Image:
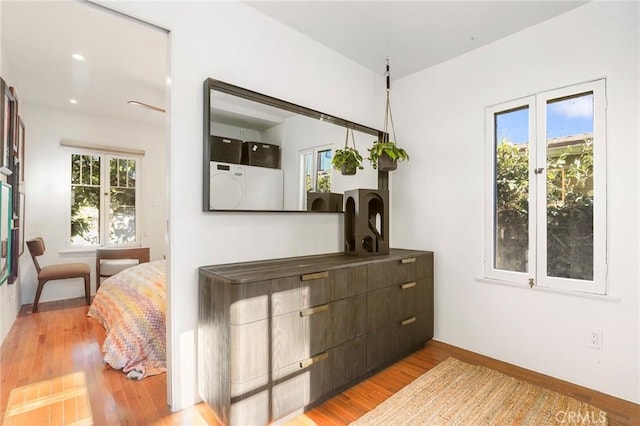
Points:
x=315, y=176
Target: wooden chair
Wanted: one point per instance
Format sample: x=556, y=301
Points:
x=59, y=271
x=110, y=261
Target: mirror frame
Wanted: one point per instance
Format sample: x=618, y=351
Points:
x=220, y=86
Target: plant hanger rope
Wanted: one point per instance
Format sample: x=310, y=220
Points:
x=388, y=116
x=353, y=139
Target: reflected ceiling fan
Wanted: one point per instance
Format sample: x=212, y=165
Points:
x=147, y=106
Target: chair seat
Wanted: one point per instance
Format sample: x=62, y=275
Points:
x=64, y=270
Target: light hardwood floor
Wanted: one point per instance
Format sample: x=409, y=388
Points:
x=51, y=372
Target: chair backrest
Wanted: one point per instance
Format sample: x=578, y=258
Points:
x=36, y=248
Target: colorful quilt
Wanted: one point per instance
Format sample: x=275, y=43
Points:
x=131, y=306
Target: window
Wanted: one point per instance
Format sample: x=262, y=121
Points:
x=104, y=200
x=315, y=164
x=546, y=203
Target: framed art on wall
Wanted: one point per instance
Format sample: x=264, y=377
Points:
x=5, y=231
x=21, y=142
x=21, y=222
x=8, y=122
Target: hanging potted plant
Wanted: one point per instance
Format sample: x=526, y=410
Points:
x=385, y=154
x=348, y=160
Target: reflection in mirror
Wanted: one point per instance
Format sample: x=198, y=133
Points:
x=264, y=154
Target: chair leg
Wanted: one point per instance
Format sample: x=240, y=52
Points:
x=38, y=293
x=87, y=288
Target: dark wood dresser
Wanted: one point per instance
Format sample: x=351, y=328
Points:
x=279, y=335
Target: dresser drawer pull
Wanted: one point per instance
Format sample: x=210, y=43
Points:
x=408, y=260
x=408, y=321
x=314, y=276
x=310, y=361
x=314, y=310
x=408, y=285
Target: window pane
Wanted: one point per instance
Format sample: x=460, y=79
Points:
x=75, y=168
x=85, y=215
x=511, y=209
x=123, y=216
x=85, y=200
x=95, y=170
x=569, y=185
x=308, y=171
x=122, y=228
x=324, y=171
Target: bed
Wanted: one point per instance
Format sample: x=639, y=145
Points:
x=131, y=306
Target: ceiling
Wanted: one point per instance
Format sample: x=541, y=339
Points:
x=126, y=60
x=413, y=34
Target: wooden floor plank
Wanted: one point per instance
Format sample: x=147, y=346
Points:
x=61, y=339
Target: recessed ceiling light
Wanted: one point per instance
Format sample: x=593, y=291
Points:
x=73, y=101
x=77, y=57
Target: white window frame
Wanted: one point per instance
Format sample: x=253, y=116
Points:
x=537, y=254
x=105, y=218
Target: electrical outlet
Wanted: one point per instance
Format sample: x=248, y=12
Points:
x=594, y=338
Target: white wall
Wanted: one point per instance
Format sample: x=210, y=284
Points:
x=231, y=42
x=438, y=197
x=47, y=184
x=9, y=294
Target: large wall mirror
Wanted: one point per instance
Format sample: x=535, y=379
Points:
x=266, y=154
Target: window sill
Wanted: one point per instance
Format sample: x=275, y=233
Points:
x=85, y=251
x=603, y=297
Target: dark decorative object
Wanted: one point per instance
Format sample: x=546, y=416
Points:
x=324, y=202
x=385, y=154
x=366, y=222
x=225, y=150
x=261, y=154
x=348, y=160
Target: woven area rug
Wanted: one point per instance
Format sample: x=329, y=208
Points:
x=457, y=393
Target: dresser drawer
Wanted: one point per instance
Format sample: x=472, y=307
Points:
x=306, y=290
x=387, y=344
x=271, y=344
x=395, y=303
x=297, y=335
x=249, y=302
x=297, y=385
x=249, y=348
x=399, y=271
x=305, y=382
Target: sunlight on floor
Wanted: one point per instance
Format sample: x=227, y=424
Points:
x=301, y=420
x=62, y=400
